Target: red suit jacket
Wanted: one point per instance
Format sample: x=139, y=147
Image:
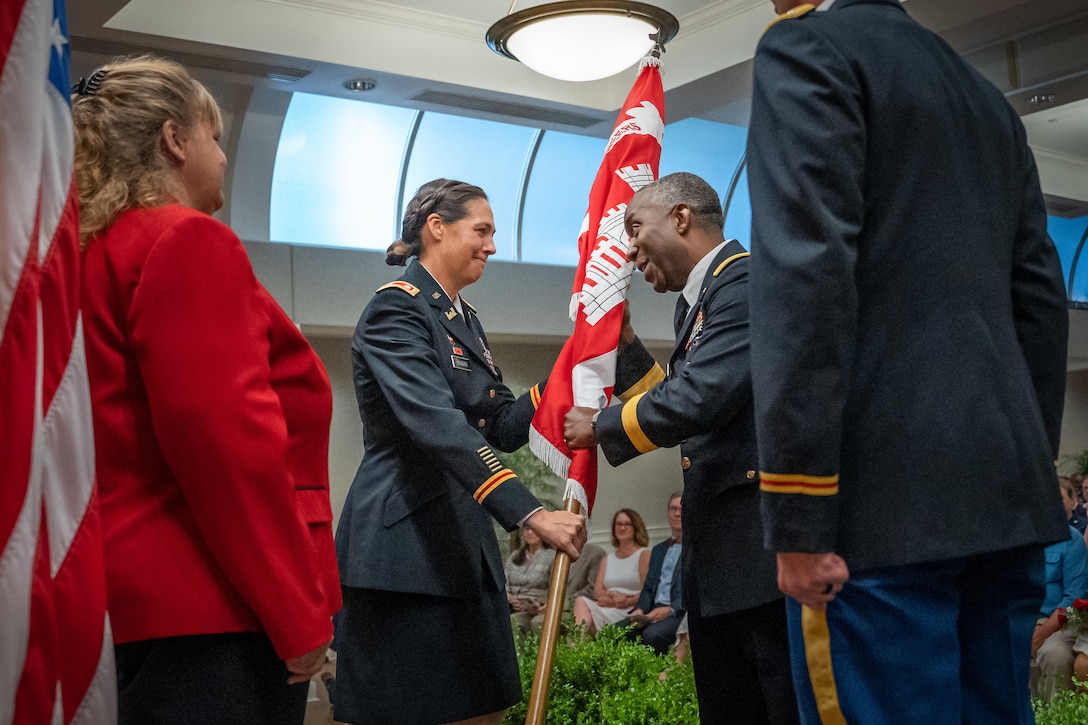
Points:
x=211, y=421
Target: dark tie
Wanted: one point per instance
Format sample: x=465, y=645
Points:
x=682, y=308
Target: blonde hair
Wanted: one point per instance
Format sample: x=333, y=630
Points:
x=118, y=123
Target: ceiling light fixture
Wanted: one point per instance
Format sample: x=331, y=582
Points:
x=582, y=40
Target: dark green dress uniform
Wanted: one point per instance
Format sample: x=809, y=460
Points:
x=735, y=610
x=909, y=328
x=425, y=633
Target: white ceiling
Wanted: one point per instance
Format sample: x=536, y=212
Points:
x=1062, y=129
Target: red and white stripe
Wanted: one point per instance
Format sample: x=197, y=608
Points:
x=585, y=372
x=56, y=651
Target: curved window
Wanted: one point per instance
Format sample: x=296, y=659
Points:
x=335, y=179
x=557, y=195
x=704, y=148
x=713, y=151
x=488, y=154
x=1070, y=237
x=345, y=169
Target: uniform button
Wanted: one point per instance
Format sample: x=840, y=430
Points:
x=482, y=423
x=685, y=463
x=491, y=393
x=751, y=475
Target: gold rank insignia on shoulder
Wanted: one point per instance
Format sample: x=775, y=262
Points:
x=729, y=260
x=792, y=13
x=451, y=313
x=401, y=285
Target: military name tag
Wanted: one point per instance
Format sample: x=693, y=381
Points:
x=459, y=362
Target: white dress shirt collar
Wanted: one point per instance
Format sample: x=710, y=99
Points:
x=695, y=279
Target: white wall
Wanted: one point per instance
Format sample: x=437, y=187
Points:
x=1075, y=419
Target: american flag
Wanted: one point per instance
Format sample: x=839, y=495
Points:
x=585, y=373
x=56, y=651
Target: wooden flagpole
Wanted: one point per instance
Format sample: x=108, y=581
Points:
x=549, y=633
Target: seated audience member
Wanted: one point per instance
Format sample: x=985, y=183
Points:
x=1059, y=652
x=659, y=610
x=620, y=577
x=528, y=569
x=582, y=577
x=1079, y=518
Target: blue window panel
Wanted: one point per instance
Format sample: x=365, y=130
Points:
x=335, y=177
x=704, y=148
x=488, y=154
x=1067, y=235
x=557, y=197
x=713, y=151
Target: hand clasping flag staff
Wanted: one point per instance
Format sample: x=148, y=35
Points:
x=585, y=372
x=56, y=652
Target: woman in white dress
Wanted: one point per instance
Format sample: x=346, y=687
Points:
x=620, y=578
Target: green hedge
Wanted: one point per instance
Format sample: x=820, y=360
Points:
x=608, y=680
x=1069, y=707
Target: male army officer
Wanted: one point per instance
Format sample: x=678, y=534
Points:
x=736, y=614
x=908, y=354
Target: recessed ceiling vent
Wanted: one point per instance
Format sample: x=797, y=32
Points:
x=505, y=108
x=191, y=60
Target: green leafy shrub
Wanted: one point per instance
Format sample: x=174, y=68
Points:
x=1069, y=707
x=608, y=681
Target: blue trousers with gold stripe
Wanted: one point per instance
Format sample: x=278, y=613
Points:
x=937, y=643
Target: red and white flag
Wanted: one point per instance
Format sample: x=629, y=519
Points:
x=56, y=651
x=585, y=372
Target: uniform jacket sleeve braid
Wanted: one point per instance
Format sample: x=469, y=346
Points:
x=636, y=371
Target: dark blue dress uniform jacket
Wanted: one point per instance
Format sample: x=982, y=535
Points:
x=909, y=318
x=705, y=406
x=418, y=515
x=648, y=595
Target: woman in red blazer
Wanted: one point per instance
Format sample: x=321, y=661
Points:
x=211, y=420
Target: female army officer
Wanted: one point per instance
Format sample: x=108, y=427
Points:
x=425, y=634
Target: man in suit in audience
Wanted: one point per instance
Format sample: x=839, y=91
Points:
x=660, y=604
x=909, y=325
x=736, y=614
x=582, y=575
